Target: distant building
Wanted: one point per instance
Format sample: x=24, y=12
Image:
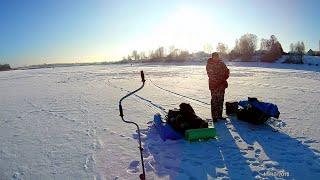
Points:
x=310, y=52
x=313, y=53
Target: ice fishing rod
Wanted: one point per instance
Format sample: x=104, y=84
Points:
x=143, y=175
x=178, y=93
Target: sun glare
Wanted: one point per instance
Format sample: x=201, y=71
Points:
x=187, y=29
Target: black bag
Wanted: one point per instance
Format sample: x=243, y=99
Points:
x=184, y=118
x=252, y=115
x=232, y=108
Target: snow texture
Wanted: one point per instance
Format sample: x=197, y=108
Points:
x=63, y=123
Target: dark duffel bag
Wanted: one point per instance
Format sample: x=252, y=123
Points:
x=252, y=115
x=232, y=108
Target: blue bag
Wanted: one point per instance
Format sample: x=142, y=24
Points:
x=268, y=109
x=165, y=130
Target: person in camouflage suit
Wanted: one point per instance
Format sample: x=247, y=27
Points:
x=218, y=74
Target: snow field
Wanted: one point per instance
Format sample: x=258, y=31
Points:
x=64, y=123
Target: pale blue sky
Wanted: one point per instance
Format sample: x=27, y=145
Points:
x=51, y=31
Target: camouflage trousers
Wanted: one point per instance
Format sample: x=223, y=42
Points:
x=217, y=98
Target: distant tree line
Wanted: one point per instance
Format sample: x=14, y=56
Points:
x=245, y=49
x=160, y=54
x=297, y=50
x=5, y=67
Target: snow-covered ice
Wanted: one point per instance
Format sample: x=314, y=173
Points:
x=63, y=123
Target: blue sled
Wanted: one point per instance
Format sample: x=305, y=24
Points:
x=165, y=130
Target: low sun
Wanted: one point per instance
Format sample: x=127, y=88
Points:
x=187, y=28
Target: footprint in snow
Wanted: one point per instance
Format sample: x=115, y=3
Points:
x=251, y=148
x=17, y=176
x=262, y=171
x=133, y=167
x=255, y=164
x=310, y=141
x=135, y=136
x=250, y=160
x=143, y=136
x=244, y=153
x=220, y=175
x=238, y=139
x=257, y=153
x=270, y=164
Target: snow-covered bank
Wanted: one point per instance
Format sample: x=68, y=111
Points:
x=312, y=60
x=63, y=123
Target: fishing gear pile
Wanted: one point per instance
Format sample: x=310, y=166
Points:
x=184, y=118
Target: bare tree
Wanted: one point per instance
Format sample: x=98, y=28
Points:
x=4, y=67
x=271, y=49
x=208, y=48
x=264, y=44
x=235, y=52
x=222, y=48
x=142, y=55
x=268, y=44
x=302, y=48
x=184, y=54
x=291, y=47
x=172, y=52
x=247, y=45
x=159, y=53
x=129, y=58
x=297, y=51
x=298, y=47
x=135, y=55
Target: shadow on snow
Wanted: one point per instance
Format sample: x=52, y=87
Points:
x=224, y=158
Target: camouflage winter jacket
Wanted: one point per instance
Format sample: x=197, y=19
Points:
x=218, y=74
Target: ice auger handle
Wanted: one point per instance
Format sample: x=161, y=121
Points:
x=142, y=77
x=143, y=175
x=121, y=110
